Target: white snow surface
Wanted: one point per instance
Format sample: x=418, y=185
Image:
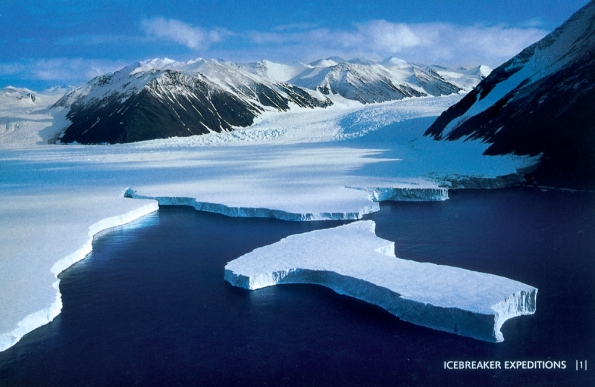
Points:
x=25, y=116
x=300, y=165
x=352, y=260
x=464, y=78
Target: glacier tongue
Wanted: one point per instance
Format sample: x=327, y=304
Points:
x=352, y=260
x=363, y=207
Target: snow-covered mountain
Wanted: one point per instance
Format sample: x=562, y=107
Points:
x=22, y=95
x=280, y=72
x=539, y=102
x=162, y=98
x=19, y=97
x=25, y=116
x=369, y=81
x=462, y=77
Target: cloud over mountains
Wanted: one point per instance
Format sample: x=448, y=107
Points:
x=425, y=42
x=429, y=43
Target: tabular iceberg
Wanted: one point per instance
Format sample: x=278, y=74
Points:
x=352, y=260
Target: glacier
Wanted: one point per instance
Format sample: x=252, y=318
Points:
x=353, y=261
x=304, y=164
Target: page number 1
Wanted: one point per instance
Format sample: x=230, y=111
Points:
x=581, y=365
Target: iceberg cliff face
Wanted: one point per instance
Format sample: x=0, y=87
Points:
x=409, y=194
x=352, y=260
x=376, y=195
x=257, y=212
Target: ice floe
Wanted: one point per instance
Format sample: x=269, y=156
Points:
x=352, y=260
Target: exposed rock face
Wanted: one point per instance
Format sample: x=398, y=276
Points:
x=539, y=102
x=172, y=105
x=131, y=105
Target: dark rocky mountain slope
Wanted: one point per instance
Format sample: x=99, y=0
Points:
x=542, y=101
x=136, y=104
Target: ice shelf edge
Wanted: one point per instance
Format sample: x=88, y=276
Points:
x=375, y=195
x=478, y=326
x=45, y=316
x=253, y=212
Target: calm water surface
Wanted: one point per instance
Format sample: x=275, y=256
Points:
x=149, y=306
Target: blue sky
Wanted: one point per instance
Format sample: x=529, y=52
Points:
x=59, y=42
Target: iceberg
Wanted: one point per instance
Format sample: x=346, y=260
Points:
x=353, y=261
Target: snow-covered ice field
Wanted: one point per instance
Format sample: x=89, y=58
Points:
x=300, y=165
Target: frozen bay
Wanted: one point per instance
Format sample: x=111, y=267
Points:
x=326, y=164
x=119, y=324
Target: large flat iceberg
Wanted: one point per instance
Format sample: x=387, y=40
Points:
x=353, y=261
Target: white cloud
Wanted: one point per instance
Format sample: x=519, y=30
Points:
x=441, y=43
x=77, y=68
x=491, y=44
x=426, y=43
x=295, y=26
x=11, y=68
x=182, y=33
x=384, y=36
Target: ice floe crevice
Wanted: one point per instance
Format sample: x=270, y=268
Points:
x=353, y=261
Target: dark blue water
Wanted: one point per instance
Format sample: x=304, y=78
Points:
x=149, y=306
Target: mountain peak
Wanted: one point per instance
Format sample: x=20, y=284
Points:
x=396, y=63
x=328, y=62
x=196, y=60
x=152, y=64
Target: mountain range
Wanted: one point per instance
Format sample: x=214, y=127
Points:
x=540, y=102
x=162, y=98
